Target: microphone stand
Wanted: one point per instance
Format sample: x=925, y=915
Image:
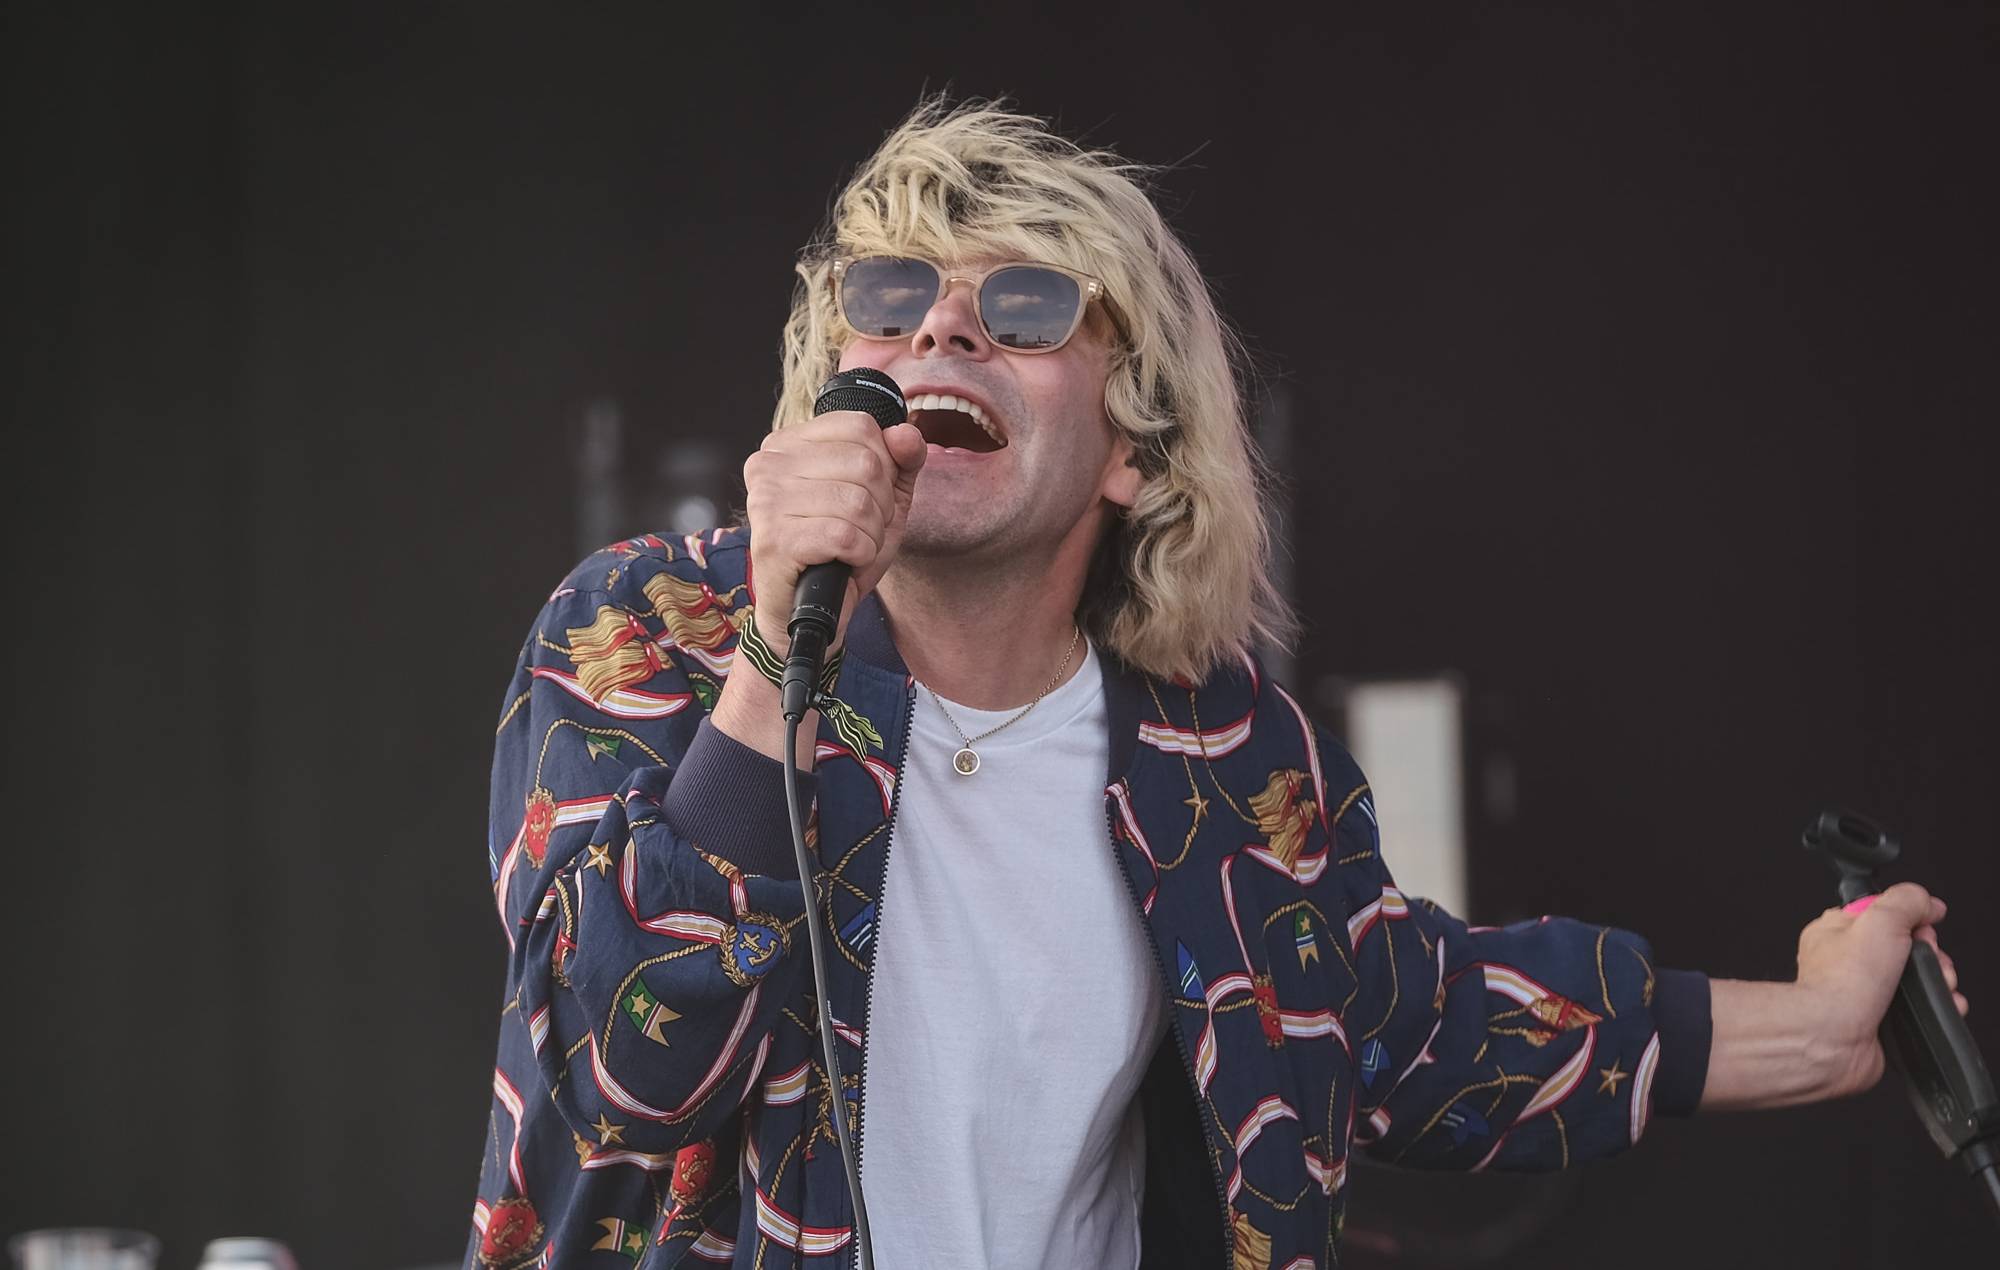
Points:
x=1922, y=1035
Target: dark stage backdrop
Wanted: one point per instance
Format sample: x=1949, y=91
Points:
x=1641, y=361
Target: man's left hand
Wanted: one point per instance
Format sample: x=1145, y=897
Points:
x=1850, y=963
x=1777, y=1044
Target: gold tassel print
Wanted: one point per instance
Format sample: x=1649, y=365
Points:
x=1282, y=816
x=613, y=652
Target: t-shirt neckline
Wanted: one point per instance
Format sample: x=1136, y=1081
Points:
x=1080, y=692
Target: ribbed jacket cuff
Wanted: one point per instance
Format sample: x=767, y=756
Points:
x=725, y=799
x=1681, y=1014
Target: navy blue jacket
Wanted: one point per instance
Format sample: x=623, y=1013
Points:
x=658, y=1094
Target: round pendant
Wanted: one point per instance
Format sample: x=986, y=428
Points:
x=965, y=762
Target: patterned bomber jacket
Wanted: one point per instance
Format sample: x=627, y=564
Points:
x=659, y=1096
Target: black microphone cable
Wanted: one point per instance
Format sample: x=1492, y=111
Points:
x=849, y=1161
x=822, y=590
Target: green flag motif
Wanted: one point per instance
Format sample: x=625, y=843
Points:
x=620, y=1237
x=705, y=690
x=646, y=1012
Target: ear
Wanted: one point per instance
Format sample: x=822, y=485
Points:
x=1120, y=484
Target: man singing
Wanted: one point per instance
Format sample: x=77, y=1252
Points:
x=1118, y=971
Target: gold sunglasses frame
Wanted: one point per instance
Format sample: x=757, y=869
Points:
x=1089, y=287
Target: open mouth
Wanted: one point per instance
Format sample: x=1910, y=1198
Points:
x=954, y=423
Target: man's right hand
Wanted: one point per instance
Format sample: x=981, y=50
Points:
x=835, y=487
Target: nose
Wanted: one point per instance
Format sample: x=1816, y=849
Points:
x=954, y=322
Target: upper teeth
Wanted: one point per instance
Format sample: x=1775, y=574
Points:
x=945, y=401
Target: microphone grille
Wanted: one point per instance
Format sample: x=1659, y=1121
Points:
x=866, y=390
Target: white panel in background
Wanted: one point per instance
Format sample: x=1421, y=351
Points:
x=1408, y=738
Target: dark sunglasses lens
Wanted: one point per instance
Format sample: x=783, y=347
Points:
x=1026, y=307
x=885, y=296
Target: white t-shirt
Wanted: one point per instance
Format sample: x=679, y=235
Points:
x=1015, y=1003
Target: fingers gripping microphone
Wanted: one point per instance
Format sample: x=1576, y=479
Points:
x=823, y=587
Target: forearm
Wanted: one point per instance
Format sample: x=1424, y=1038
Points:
x=623, y=956
x=1769, y=1048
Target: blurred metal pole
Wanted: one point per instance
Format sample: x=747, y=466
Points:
x=689, y=488
x=1272, y=430
x=600, y=495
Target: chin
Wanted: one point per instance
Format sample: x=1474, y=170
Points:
x=956, y=540
x=936, y=536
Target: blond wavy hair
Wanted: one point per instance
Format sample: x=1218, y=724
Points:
x=1182, y=581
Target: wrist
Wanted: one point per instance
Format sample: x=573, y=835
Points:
x=773, y=633
x=770, y=629
x=749, y=712
x=1842, y=1055
x=755, y=650
x=1781, y=1044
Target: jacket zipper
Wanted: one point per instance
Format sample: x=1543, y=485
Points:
x=875, y=944
x=1173, y=1026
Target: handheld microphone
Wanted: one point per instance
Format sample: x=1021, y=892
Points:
x=823, y=587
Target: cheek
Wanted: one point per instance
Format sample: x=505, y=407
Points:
x=1095, y=437
x=1067, y=391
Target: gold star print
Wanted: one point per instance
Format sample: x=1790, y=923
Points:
x=1611, y=1075
x=635, y=1242
x=608, y=1133
x=1199, y=804
x=600, y=859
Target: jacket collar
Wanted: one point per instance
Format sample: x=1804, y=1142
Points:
x=868, y=636
x=1124, y=688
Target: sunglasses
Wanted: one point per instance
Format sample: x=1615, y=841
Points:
x=1025, y=308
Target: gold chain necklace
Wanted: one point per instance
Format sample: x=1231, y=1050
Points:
x=966, y=761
